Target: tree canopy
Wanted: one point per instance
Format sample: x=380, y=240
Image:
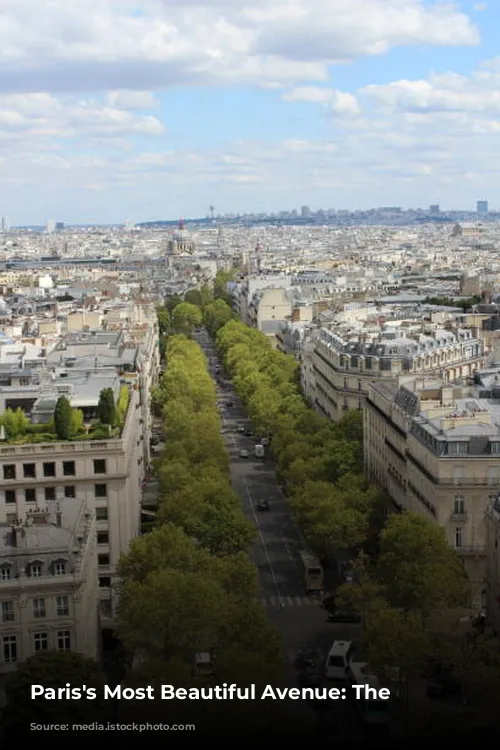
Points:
x=52, y=669
x=319, y=462
x=189, y=586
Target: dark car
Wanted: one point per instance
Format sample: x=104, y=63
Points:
x=263, y=505
x=342, y=615
x=229, y=404
x=248, y=433
x=306, y=658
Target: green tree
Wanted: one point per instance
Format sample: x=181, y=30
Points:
x=106, y=408
x=172, y=301
x=76, y=421
x=62, y=418
x=163, y=315
x=417, y=565
x=172, y=613
x=52, y=669
x=186, y=317
x=216, y=315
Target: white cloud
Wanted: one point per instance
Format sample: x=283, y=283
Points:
x=447, y=92
x=336, y=102
x=108, y=45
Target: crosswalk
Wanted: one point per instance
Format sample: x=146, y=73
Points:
x=288, y=601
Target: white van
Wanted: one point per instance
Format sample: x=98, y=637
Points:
x=338, y=660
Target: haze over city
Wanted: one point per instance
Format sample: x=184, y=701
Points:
x=154, y=110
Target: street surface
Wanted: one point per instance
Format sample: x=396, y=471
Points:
x=299, y=618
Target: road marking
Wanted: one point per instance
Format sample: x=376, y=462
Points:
x=273, y=602
x=289, y=600
x=262, y=540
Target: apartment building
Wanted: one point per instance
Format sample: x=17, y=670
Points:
x=435, y=448
x=105, y=475
x=346, y=362
x=48, y=579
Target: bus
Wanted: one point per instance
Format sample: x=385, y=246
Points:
x=371, y=710
x=312, y=572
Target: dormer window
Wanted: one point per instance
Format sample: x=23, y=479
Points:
x=35, y=570
x=5, y=572
x=60, y=568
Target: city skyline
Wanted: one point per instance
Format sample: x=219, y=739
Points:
x=155, y=110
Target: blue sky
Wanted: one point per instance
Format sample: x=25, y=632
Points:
x=150, y=109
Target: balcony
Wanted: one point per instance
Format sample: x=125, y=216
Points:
x=459, y=517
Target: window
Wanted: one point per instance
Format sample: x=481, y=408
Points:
x=9, y=649
x=70, y=491
x=458, y=537
x=63, y=640
x=50, y=493
x=35, y=570
x=458, y=449
x=29, y=471
x=30, y=495
x=41, y=642
x=38, y=608
x=11, y=518
x=60, y=568
x=62, y=606
x=102, y=537
x=5, y=573
x=9, y=471
x=49, y=469
x=103, y=560
x=105, y=582
x=495, y=448
x=459, y=506
x=100, y=490
x=101, y=514
x=10, y=496
x=69, y=468
x=7, y=611
x=99, y=466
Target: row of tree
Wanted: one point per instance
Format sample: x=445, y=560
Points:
x=411, y=574
x=188, y=587
x=319, y=462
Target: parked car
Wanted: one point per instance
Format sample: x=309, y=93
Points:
x=241, y=429
x=243, y=453
x=229, y=404
x=263, y=505
x=248, y=433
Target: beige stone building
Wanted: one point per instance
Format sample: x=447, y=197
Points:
x=344, y=366
x=105, y=475
x=48, y=580
x=435, y=448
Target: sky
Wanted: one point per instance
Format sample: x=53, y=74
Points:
x=157, y=109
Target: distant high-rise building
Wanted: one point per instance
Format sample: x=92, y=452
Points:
x=434, y=209
x=129, y=224
x=5, y=224
x=482, y=207
x=305, y=212
x=50, y=226
x=60, y=225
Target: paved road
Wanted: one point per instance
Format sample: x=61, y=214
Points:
x=298, y=617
